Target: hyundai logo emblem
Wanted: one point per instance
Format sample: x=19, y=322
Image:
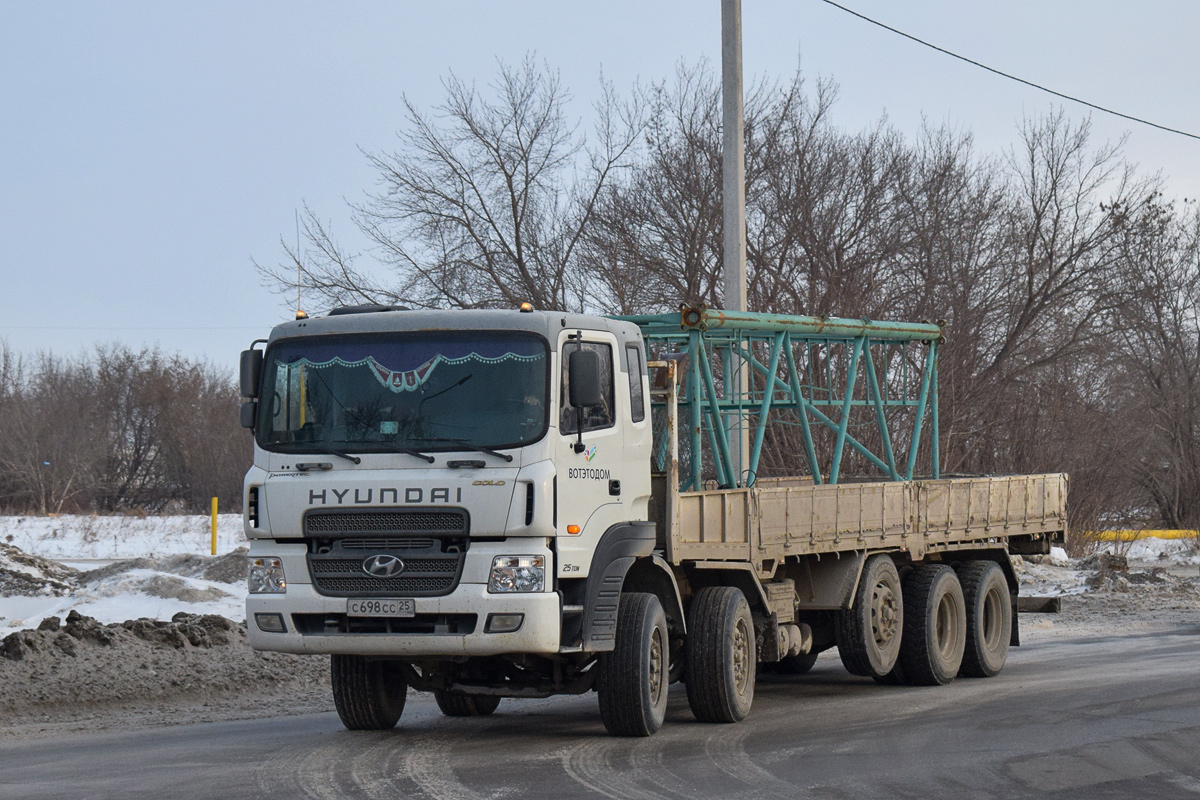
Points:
x=383, y=566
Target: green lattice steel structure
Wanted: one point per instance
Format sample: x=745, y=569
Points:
x=816, y=364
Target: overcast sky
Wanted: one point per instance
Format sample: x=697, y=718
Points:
x=149, y=150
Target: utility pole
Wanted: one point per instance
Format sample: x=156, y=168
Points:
x=733, y=162
x=733, y=185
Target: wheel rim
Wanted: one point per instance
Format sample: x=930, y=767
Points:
x=656, y=666
x=947, y=626
x=885, y=614
x=741, y=657
x=993, y=613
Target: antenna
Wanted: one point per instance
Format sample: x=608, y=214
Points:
x=299, y=313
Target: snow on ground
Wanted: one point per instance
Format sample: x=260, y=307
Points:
x=1150, y=548
x=1049, y=576
x=117, y=568
x=81, y=537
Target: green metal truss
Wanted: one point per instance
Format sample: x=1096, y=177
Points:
x=814, y=366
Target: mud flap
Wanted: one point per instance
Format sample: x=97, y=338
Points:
x=619, y=547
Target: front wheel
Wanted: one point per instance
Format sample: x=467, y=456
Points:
x=369, y=694
x=721, y=655
x=632, y=680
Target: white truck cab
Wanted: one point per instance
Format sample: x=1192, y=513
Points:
x=423, y=487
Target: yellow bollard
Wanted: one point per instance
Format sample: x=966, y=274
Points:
x=214, y=526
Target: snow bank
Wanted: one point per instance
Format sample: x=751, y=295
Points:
x=129, y=595
x=80, y=537
x=1152, y=548
x=163, y=567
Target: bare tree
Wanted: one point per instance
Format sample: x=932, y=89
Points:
x=656, y=242
x=1156, y=358
x=50, y=453
x=117, y=430
x=484, y=203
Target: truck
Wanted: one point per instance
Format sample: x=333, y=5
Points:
x=522, y=503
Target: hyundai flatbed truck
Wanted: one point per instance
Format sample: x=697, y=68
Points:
x=488, y=504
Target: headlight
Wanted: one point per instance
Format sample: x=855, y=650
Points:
x=266, y=576
x=518, y=574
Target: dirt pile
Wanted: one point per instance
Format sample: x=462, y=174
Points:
x=60, y=670
x=25, y=575
x=1113, y=573
x=229, y=568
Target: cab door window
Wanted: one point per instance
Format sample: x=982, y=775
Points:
x=593, y=418
x=637, y=403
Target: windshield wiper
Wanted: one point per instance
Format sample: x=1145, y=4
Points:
x=411, y=452
x=469, y=446
x=332, y=452
x=441, y=392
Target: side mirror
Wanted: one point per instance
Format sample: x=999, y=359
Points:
x=583, y=374
x=249, y=412
x=251, y=372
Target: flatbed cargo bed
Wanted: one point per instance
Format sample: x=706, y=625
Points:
x=775, y=519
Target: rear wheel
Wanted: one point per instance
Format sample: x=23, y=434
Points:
x=935, y=626
x=461, y=704
x=368, y=694
x=721, y=655
x=989, y=618
x=868, y=633
x=632, y=680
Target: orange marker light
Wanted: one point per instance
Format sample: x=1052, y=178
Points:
x=527, y=307
x=573, y=529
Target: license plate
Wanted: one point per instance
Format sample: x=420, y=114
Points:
x=376, y=607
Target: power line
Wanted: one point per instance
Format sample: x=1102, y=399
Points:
x=1010, y=77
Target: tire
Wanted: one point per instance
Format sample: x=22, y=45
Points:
x=869, y=632
x=935, y=626
x=721, y=655
x=796, y=665
x=632, y=680
x=989, y=618
x=461, y=704
x=369, y=694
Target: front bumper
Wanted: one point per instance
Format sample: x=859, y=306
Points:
x=539, y=631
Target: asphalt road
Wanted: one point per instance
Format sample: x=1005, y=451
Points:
x=1081, y=718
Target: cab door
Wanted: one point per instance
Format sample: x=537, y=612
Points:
x=590, y=456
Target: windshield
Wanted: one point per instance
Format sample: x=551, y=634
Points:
x=388, y=392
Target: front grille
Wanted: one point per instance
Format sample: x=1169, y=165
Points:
x=338, y=571
x=432, y=543
x=402, y=520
